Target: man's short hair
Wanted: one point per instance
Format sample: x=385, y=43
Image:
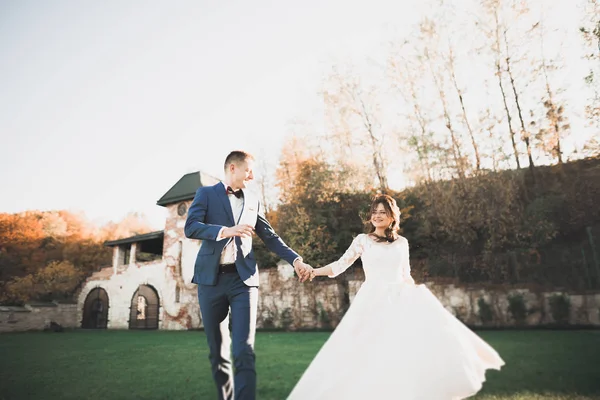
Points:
x=236, y=157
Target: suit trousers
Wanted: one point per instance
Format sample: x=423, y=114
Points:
x=231, y=293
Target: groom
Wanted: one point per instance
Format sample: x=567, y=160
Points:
x=224, y=217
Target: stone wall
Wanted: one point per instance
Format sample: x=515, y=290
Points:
x=284, y=303
x=491, y=306
x=37, y=316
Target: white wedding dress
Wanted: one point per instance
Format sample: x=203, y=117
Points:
x=396, y=341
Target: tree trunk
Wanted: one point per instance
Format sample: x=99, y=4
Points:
x=377, y=156
x=464, y=112
x=423, y=154
x=456, y=153
x=504, y=100
x=524, y=132
x=553, y=110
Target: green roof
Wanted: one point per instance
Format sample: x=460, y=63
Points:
x=136, y=238
x=186, y=187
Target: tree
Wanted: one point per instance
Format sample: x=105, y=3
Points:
x=419, y=136
x=301, y=219
x=525, y=135
x=132, y=224
x=428, y=30
x=459, y=93
x=590, y=32
x=47, y=254
x=553, y=126
x=295, y=151
x=21, y=243
x=357, y=110
x=58, y=279
x=493, y=31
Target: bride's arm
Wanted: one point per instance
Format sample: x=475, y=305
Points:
x=335, y=268
x=323, y=271
x=405, y=267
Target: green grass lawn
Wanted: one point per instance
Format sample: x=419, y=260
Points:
x=557, y=365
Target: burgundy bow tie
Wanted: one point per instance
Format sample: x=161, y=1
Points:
x=237, y=193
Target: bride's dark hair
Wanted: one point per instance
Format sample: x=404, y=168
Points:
x=392, y=211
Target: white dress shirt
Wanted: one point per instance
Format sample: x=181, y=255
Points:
x=229, y=253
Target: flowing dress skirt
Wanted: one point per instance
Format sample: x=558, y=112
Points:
x=397, y=341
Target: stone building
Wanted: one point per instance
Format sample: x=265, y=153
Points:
x=149, y=284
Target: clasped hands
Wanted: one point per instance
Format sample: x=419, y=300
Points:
x=305, y=271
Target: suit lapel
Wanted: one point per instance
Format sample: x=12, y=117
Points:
x=245, y=244
x=243, y=207
x=250, y=205
x=222, y=195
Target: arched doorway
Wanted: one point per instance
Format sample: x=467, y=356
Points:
x=95, y=309
x=144, y=308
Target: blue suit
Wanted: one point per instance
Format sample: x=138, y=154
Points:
x=217, y=293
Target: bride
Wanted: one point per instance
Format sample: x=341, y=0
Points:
x=396, y=341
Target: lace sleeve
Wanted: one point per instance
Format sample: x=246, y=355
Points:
x=405, y=266
x=354, y=251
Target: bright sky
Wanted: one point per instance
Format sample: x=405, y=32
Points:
x=105, y=105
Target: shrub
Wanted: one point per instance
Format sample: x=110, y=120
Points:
x=268, y=322
x=18, y=291
x=286, y=319
x=560, y=305
x=324, y=317
x=517, y=308
x=485, y=311
x=57, y=280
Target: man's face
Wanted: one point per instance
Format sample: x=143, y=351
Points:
x=241, y=174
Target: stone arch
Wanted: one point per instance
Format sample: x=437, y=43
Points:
x=144, y=308
x=95, y=309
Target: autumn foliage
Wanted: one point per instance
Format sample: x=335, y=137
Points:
x=46, y=255
x=497, y=227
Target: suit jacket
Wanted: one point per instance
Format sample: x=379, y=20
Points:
x=210, y=211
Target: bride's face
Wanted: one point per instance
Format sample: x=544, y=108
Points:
x=380, y=217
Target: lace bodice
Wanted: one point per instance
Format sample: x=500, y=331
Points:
x=382, y=261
